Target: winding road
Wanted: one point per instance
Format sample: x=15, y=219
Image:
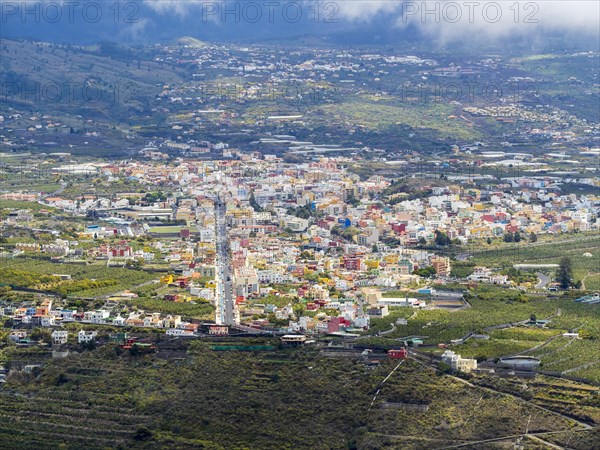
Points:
x=544, y=280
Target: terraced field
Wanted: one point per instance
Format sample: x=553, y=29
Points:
x=454, y=415
x=552, y=346
x=550, y=253
x=488, y=308
x=575, y=353
x=278, y=399
x=76, y=420
x=592, y=282
x=495, y=307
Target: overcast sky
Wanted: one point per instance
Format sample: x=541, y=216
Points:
x=441, y=20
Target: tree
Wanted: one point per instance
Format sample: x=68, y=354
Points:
x=533, y=237
x=508, y=237
x=61, y=379
x=298, y=310
x=254, y=203
x=444, y=368
x=564, y=275
x=305, y=256
x=586, y=334
x=517, y=237
x=142, y=434
x=39, y=334
x=489, y=241
x=135, y=263
x=425, y=272
x=442, y=239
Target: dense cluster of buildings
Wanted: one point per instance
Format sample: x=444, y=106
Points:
x=305, y=239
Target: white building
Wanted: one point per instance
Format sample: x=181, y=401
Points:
x=245, y=281
x=401, y=301
x=362, y=322
x=119, y=321
x=481, y=274
x=179, y=332
x=59, y=337
x=294, y=223
x=378, y=312
x=86, y=336
x=272, y=276
x=47, y=321
x=99, y=316
x=67, y=315
x=458, y=363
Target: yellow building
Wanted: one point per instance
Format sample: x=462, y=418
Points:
x=391, y=259
x=372, y=264
x=166, y=279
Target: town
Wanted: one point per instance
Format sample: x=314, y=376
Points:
x=256, y=244
x=262, y=246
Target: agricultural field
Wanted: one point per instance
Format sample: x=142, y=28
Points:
x=376, y=115
x=592, y=282
x=492, y=306
x=453, y=415
x=50, y=419
x=261, y=397
x=17, y=204
x=584, y=268
x=575, y=399
x=197, y=309
x=508, y=341
x=489, y=306
x=92, y=280
x=572, y=355
x=15, y=181
x=166, y=229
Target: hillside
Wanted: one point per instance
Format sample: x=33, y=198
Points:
x=269, y=400
x=103, y=82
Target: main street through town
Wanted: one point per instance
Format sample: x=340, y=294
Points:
x=225, y=311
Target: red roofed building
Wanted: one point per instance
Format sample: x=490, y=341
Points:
x=398, y=354
x=399, y=228
x=352, y=262
x=335, y=323
x=512, y=228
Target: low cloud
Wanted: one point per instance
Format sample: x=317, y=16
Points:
x=445, y=20
x=469, y=21
x=450, y=20
x=181, y=8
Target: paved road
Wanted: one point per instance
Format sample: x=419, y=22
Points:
x=544, y=280
x=383, y=333
x=463, y=256
x=225, y=313
x=59, y=191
